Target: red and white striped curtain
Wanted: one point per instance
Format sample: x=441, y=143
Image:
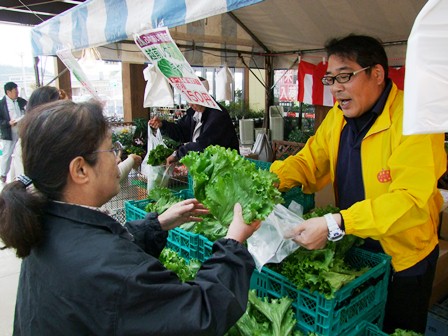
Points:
x=312, y=91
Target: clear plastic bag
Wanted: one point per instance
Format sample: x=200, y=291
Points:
x=156, y=176
x=268, y=244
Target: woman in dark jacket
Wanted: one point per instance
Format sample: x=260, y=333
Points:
x=85, y=274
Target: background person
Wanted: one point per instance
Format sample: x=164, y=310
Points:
x=12, y=108
x=41, y=95
x=125, y=167
x=199, y=128
x=82, y=272
x=385, y=183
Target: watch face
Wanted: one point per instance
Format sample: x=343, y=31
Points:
x=336, y=235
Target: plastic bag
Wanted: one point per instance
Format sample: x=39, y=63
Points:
x=158, y=91
x=158, y=176
x=267, y=244
x=262, y=148
x=155, y=175
x=224, y=79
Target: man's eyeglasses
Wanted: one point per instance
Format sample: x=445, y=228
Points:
x=117, y=149
x=342, y=78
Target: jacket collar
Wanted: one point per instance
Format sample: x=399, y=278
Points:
x=88, y=216
x=383, y=121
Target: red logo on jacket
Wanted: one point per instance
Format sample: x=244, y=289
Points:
x=384, y=176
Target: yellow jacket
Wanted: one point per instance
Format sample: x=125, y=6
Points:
x=400, y=173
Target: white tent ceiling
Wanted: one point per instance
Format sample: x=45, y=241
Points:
x=284, y=28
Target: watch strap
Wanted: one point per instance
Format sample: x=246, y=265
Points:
x=334, y=231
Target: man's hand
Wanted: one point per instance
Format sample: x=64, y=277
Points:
x=155, y=122
x=171, y=159
x=311, y=234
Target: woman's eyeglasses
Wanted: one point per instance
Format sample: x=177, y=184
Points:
x=117, y=149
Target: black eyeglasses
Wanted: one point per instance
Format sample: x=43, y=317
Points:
x=342, y=78
x=117, y=149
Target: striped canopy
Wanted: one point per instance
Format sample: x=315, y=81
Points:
x=99, y=22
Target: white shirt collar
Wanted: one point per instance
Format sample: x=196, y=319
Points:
x=197, y=116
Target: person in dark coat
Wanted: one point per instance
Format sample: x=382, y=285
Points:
x=199, y=128
x=12, y=109
x=83, y=273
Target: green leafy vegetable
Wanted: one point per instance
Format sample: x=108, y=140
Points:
x=320, y=211
x=157, y=156
x=163, y=197
x=222, y=178
x=266, y=317
x=325, y=270
x=402, y=332
x=185, y=270
x=210, y=228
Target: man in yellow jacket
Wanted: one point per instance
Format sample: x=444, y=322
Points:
x=385, y=183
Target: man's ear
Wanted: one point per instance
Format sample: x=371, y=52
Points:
x=378, y=72
x=79, y=170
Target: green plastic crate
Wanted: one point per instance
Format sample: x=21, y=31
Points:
x=188, y=245
x=136, y=209
x=366, y=329
x=364, y=298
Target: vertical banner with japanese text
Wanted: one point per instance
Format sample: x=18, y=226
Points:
x=162, y=51
x=72, y=64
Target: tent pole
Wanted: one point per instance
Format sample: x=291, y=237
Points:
x=269, y=92
x=36, y=71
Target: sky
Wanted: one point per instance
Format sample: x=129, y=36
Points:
x=16, y=42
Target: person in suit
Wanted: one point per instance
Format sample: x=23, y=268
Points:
x=12, y=109
x=199, y=128
x=41, y=95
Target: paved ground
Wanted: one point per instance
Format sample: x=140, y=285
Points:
x=9, y=277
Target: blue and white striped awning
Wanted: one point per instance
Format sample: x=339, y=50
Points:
x=100, y=22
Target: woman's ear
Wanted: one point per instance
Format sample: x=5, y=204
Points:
x=78, y=170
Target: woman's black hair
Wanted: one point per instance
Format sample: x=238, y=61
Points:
x=42, y=95
x=52, y=136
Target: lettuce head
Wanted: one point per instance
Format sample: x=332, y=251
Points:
x=222, y=177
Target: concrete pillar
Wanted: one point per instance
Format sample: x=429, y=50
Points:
x=133, y=91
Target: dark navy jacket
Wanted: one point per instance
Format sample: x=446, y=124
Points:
x=217, y=129
x=92, y=276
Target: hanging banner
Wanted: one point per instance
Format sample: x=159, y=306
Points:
x=287, y=86
x=426, y=85
x=305, y=82
x=162, y=51
x=72, y=64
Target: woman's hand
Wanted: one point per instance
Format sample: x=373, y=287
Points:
x=137, y=160
x=238, y=230
x=155, y=122
x=182, y=212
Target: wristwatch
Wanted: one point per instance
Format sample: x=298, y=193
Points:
x=334, y=231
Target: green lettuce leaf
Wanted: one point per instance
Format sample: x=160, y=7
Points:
x=222, y=177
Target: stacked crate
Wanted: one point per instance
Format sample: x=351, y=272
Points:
x=361, y=300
